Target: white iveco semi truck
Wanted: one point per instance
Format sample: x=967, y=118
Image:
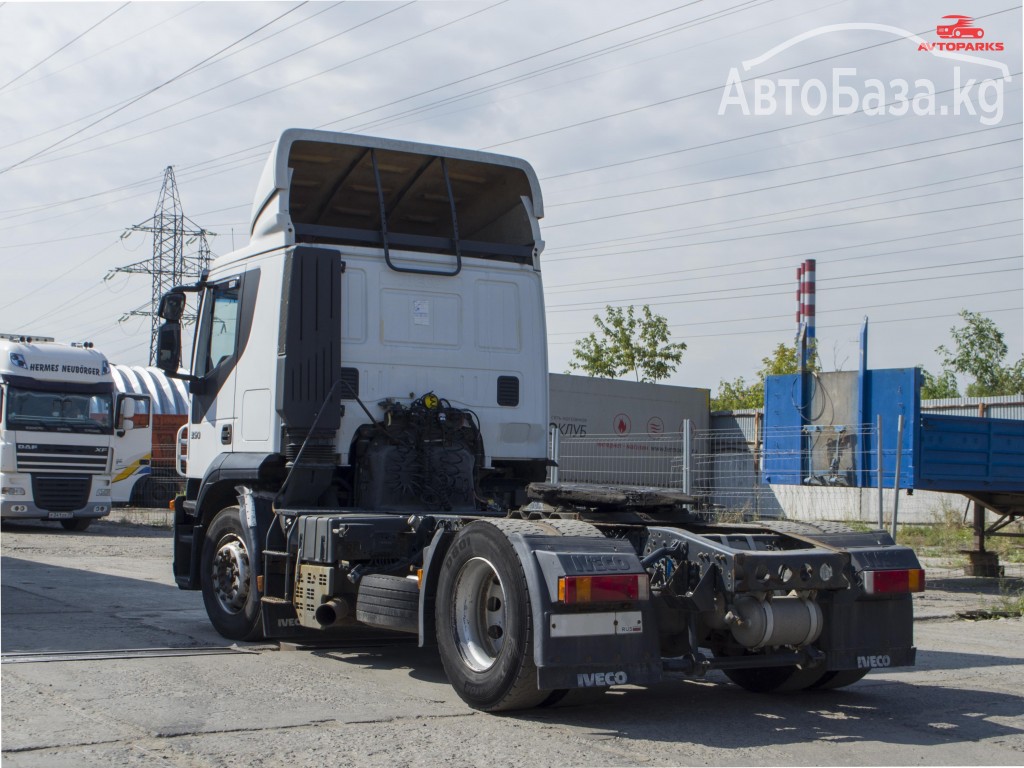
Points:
x=60, y=426
x=366, y=444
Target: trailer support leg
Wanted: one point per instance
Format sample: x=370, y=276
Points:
x=980, y=561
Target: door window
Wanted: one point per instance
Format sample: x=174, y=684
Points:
x=218, y=337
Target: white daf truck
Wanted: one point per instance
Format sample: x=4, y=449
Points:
x=366, y=444
x=60, y=426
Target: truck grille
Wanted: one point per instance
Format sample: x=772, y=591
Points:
x=61, y=493
x=39, y=457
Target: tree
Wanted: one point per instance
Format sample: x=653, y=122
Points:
x=979, y=349
x=939, y=387
x=628, y=344
x=737, y=394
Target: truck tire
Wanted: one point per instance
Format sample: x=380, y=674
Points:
x=839, y=678
x=232, y=603
x=139, y=492
x=484, y=620
x=157, y=495
x=78, y=524
x=775, y=679
x=391, y=602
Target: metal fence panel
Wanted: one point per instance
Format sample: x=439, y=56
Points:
x=640, y=460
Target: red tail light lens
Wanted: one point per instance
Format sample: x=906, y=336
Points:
x=603, y=589
x=892, y=582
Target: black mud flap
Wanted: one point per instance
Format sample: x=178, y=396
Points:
x=587, y=646
x=188, y=540
x=281, y=622
x=869, y=634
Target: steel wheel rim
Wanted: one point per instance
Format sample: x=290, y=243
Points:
x=231, y=574
x=479, y=614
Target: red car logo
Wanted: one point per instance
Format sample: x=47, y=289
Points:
x=959, y=26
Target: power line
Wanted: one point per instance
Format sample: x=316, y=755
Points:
x=63, y=47
x=790, y=231
x=820, y=311
x=263, y=145
x=715, y=294
x=766, y=331
x=654, y=237
x=48, y=283
x=789, y=167
x=712, y=89
x=738, y=223
x=59, y=239
x=272, y=90
x=148, y=29
x=150, y=91
x=665, y=275
x=238, y=77
x=107, y=49
x=956, y=208
x=837, y=175
x=833, y=248
x=554, y=67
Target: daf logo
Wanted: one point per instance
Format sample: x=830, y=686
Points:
x=27, y=447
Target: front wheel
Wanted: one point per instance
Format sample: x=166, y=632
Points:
x=232, y=603
x=77, y=524
x=484, y=623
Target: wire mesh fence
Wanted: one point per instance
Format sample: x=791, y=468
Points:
x=156, y=481
x=813, y=472
x=741, y=472
x=638, y=460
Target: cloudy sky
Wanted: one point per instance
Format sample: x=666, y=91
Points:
x=663, y=185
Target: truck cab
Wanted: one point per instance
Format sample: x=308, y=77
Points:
x=59, y=420
x=386, y=261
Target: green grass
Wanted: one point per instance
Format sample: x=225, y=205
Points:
x=1011, y=602
x=948, y=536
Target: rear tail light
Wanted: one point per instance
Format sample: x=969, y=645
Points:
x=893, y=582
x=603, y=589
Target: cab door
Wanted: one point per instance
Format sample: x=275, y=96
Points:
x=212, y=420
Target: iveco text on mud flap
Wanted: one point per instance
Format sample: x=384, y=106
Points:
x=367, y=445
x=61, y=430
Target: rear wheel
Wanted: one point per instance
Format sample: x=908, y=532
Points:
x=232, y=603
x=839, y=679
x=775, y=679
x=484, y=622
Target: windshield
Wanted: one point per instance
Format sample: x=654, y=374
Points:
x=59, y=411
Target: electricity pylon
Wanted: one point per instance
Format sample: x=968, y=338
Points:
x=169, y=265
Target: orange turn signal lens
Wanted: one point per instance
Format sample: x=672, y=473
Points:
x=619, y=588
x=893, y=582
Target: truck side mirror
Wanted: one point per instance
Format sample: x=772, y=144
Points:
x=172, y=306
x=168, y=347
x=126, y=413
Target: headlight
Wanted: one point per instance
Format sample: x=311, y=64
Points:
x=103, y=492
x=12, y=491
